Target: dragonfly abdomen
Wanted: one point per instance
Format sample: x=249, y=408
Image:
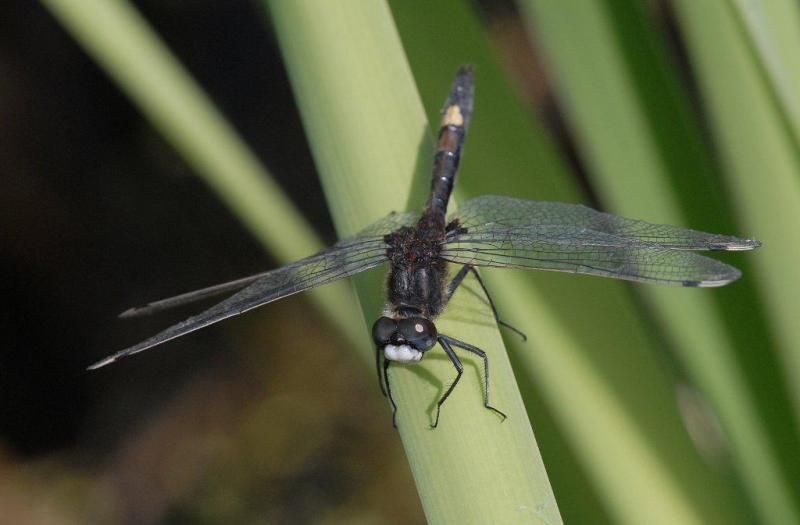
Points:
x=456, y=113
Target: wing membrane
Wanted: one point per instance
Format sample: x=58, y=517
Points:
x=190, y=297
x=488, y=213
x=571, y=249
x=386, y=225
x=341, y=260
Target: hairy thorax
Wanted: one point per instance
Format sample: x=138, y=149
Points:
x=417, y=275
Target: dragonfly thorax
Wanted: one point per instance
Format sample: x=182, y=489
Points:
x=417, y=275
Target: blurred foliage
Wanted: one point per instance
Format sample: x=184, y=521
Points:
x=649, y=405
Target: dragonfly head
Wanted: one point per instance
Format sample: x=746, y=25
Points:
x=404, y=340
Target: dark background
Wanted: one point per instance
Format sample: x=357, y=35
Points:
x=97, y=213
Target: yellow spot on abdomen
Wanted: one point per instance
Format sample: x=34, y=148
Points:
x=452, y=116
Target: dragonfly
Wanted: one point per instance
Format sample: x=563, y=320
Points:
x=486, y=231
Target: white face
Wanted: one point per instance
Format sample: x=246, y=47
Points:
x=402, y=353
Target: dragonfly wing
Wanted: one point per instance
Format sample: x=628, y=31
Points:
x=571, y=249
x=386, y=225
x=190, y=297
x=487, y=212
x=341, y=260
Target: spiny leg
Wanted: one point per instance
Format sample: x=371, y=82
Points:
x=459, y=370
x=444, y=339
x=451, y=289
x=386, y=364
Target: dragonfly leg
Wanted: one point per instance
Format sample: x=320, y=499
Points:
x=388, y=392
x=379, y=369
x=447, y=340
x=456, y=282
x=451, y=289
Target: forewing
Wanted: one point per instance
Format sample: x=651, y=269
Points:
x=577, y=250
x=190, y=297
x=341, y=260
x=379, y=228
x=487, y=213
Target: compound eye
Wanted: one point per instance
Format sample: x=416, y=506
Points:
x=383, y=330
x=418, y=332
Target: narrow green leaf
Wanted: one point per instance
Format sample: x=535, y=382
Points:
x=371, y=141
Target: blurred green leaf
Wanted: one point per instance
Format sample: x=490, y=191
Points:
x=758, y=155
x=641, y=145
x=772, y=31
